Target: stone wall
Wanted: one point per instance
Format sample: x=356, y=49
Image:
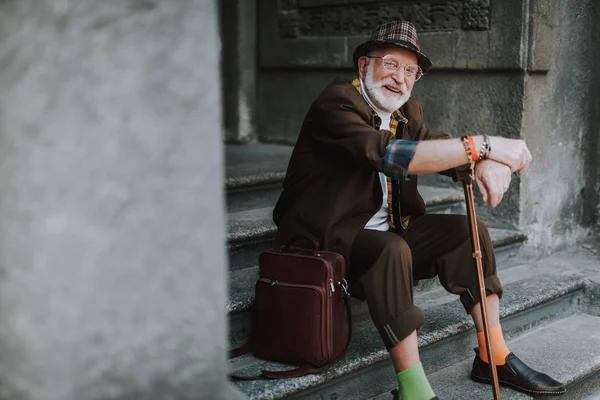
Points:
x=592, y=166
x=501, y=67
x=477, y=84
x=309, y=45
x=112, y=253
x=559, y=194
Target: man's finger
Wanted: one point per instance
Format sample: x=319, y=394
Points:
x=498, y=199
x=506, y=182
x=525, y=159
x=494, y=199
x=495, y=193
x=523, y=165
x=482, y=189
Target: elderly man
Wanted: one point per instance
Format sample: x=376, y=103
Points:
x=351, y=183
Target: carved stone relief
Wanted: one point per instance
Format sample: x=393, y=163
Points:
x=476, y=15
x=325, y=18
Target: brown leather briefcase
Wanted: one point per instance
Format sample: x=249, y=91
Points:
x=301, y=308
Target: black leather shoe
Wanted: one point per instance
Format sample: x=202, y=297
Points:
x=395, y=393
x=517, y=375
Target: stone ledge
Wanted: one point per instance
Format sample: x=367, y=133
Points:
x=442, y=322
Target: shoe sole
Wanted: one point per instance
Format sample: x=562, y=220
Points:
x=518, y=388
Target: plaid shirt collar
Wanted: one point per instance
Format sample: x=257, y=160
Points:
x=396, y=115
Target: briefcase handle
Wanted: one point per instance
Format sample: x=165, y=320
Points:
x=314, y=247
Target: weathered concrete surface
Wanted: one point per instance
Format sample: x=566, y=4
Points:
x=284, y=97
x=591, y=213
x=112, y=259
x=559, y=192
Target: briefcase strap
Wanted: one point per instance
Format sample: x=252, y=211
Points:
x=301, y=370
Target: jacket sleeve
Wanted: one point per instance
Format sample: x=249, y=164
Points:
x=339, y=123
x=398, y=155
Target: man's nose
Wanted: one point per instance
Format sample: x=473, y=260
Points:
x=399, y=75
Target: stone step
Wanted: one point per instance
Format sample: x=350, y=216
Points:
x=249, y=232
x=534, y=295
x=254, y=165
x=261, y=197
x=241, y=281
x=588, y=388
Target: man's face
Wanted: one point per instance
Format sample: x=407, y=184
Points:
x=387, y=90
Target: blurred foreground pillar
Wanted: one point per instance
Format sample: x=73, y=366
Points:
x=112, y=258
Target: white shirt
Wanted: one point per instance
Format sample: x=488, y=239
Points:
x=379, y=221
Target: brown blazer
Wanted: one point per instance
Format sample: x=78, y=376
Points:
x=332, y=188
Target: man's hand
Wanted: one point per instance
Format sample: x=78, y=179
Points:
x=493, y=179
x=511, y=152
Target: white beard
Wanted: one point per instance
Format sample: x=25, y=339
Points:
x=383, y=98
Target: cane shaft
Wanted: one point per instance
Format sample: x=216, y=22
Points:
x=468, y=187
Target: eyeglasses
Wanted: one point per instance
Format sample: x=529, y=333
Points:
x=391, y=64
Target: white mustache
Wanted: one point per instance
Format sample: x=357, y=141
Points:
x=403, y=89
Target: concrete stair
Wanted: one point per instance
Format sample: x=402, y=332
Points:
x=535, y=298
x=539, y=300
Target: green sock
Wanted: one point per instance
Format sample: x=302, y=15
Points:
x=413, y=384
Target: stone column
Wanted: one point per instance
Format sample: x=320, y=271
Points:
x=238, y=30
x=112, y=251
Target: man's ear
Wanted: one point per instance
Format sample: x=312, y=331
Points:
x=362, y=66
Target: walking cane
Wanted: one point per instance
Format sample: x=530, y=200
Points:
x=466, y=176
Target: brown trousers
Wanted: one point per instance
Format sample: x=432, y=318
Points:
x=383, y=266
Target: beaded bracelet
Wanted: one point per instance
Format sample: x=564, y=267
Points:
x=468, y=150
